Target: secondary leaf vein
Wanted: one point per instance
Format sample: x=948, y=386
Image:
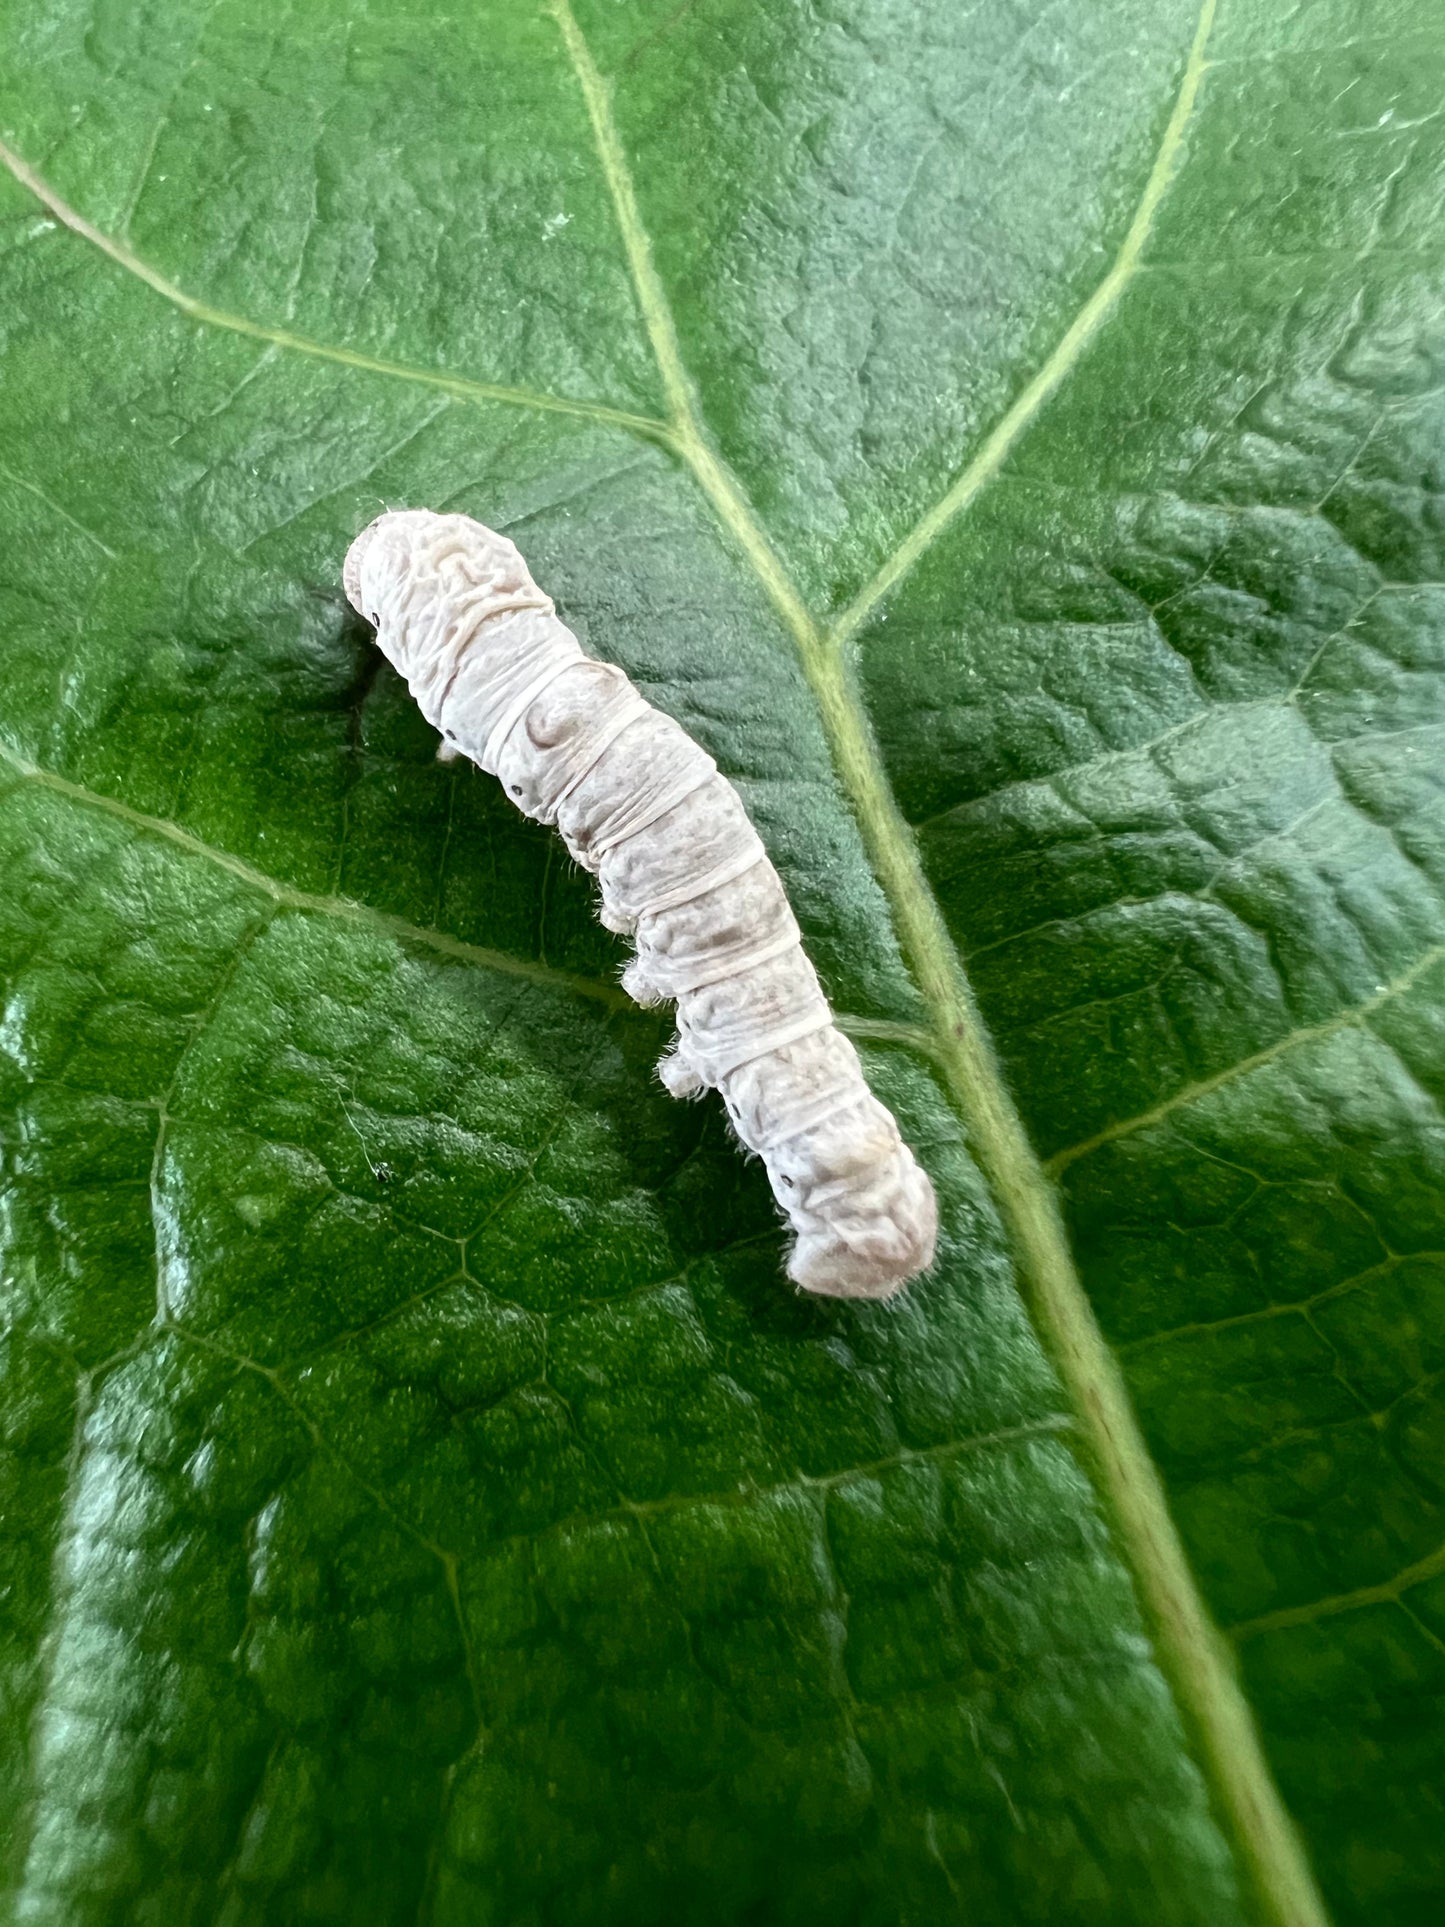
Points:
x=1350, y=1019
x=459, y=386
x=1051, y=376
x=1388, y=1592
x=287, y=897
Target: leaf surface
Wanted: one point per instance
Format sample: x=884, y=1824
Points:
x=1010, y=440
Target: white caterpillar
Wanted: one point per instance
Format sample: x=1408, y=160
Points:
x=644, y=808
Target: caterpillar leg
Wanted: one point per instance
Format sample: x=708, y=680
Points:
x=639, y=986
x=678, y=1074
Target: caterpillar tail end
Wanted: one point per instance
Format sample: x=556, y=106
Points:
x=873, y=1256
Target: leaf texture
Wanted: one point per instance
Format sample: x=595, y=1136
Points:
x=1009, y=439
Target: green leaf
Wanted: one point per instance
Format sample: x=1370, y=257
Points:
x=1010, y=440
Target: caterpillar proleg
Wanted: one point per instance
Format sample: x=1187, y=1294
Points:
x=682, y=871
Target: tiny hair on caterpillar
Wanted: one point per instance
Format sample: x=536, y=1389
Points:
x=645, y=809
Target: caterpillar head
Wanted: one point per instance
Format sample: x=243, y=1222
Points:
x=424, y=581
x=451, y=556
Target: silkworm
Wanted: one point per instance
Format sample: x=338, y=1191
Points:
x=645, y=809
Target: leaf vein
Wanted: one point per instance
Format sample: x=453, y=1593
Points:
x=460, y=386
x=287, y=897
x=1349, y=1019
x=1189, y=1646
x=1387, y=1592
x=1059, y=365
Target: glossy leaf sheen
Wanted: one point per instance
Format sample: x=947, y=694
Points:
x=420, y=1496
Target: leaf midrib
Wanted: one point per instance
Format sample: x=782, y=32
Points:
x=1193, y=1653
x=1191, y=1650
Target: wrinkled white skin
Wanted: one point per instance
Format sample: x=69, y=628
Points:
x=643, y=807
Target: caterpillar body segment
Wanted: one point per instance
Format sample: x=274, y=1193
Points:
x=682, y=871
